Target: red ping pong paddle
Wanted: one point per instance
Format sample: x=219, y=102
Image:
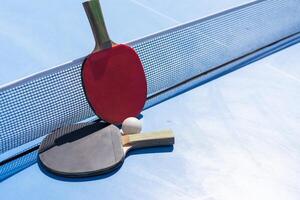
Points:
x=112, y=75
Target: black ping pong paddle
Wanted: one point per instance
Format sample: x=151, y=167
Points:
x=89, y=149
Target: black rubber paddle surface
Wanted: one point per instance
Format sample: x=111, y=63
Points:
x=82, y=150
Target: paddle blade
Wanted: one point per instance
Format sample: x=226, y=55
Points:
x=115, y=84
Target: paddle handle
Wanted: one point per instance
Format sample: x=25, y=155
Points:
x=161, y=138
x=93, y=11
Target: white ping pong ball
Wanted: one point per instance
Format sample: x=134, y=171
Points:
x=131, y=125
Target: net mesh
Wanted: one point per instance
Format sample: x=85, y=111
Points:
x=174, y=60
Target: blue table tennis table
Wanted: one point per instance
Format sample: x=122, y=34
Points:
x=237, y=135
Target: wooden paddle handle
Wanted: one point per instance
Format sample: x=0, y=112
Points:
x=161, y=138
x=93, y=11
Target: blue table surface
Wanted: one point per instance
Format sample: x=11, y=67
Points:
x=237, y=137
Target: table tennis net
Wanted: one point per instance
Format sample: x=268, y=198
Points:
x=174, y=60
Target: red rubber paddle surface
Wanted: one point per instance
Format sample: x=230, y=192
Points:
x=115, y=84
